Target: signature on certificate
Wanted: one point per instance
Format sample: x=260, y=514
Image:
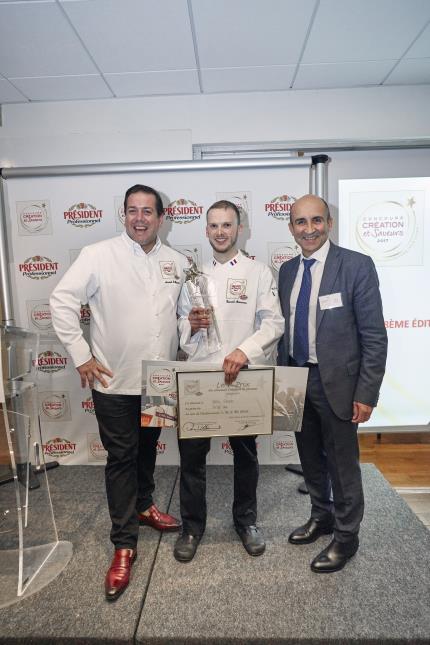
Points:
x=200, y=427
x=247, y=424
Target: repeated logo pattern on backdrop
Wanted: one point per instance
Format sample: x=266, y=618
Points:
x=54, y=406
x=52, y=219
x=183, y=211
x=38, y=267
x=83, y=215
x=39, y=315
x=34, y=217
x=279, y=207
x=49, y=361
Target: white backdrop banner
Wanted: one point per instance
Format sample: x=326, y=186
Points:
x=49, y=221
x=388, y=219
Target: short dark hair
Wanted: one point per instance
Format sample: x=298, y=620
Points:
x=140, y=188
x=225, y=204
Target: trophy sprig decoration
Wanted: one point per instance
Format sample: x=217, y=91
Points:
x=192, y=273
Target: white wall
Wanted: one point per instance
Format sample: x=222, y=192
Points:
x=58, y=133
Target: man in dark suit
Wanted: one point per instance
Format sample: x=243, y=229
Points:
x=334, y=326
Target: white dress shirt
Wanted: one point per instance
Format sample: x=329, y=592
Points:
x=316, y=272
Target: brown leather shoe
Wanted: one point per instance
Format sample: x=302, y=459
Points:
x=159, y=521
x=118, y=575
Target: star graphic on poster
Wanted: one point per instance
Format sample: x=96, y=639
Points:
x=411, y=202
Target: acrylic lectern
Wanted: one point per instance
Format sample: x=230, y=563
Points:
x=31, y=555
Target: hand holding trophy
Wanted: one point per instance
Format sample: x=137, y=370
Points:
x=202, y=316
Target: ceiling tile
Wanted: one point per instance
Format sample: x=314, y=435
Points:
x=134, y=35
x=8, y=94
x=56, y=49
x=421, y=47
x=240, y=33
x=347, y=30
x=247, y=79
x=333, y=75
x=410, y=72
x=63, y=88
x=149, y=83
x=37, y=40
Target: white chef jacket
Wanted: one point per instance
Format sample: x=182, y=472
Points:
x=133, y=300
x=245, y=299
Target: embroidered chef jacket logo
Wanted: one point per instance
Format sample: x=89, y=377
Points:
x=169, y=272
x=236, y=291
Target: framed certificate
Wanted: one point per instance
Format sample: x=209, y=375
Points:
x=207, y=407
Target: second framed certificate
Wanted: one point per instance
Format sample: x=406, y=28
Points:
x=207, y=407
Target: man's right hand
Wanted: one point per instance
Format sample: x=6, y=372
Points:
x=200, y=318
x=92, y=370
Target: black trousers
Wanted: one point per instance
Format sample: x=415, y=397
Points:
x=329, y=454
x=129, y=473
x=192, y=490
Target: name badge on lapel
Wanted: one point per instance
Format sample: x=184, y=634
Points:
x=330, y=301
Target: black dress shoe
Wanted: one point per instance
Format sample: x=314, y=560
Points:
x=335, y=556
x=252, y=539
x=310, y=532
x=186, y=547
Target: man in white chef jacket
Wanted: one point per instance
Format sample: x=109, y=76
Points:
x=132, y=283
x=244, y=298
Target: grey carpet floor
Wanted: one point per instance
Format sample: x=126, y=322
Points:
x=224, y=596
x=72, y=609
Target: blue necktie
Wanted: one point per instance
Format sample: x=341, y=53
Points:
x=301, y=319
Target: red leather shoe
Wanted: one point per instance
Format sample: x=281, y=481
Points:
x=118, y=575
x=159, y=521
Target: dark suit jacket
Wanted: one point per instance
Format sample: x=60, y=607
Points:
x=351, y=340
